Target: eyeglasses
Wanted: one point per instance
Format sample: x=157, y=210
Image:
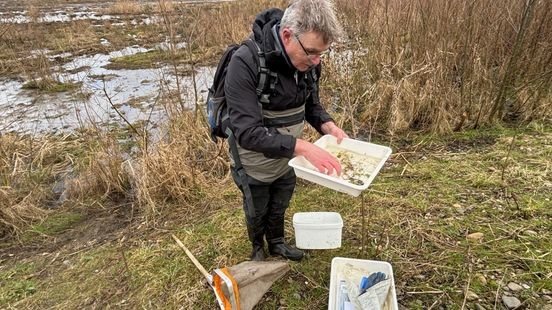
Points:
x=312, y=54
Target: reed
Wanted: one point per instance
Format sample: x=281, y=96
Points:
x=125, y=7
x=444, y=66
x=184, y=169
x=28, y=168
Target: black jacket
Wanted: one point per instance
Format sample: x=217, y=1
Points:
x=240, y=90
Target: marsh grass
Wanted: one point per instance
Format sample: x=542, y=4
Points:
x=126, y=7
x=159, y=58
x=425, y=202
x=179, y=170
x=406, y=69
x=88, y=166
x=444, y=66
x=104, y=174
x=27, y=168
x=52, y=86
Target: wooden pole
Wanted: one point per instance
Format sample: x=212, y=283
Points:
x=362, y=236
x=192, y=258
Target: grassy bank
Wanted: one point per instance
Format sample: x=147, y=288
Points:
x=421, y=215
x=460, y=92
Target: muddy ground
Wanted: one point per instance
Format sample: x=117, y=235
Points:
x=82, y=63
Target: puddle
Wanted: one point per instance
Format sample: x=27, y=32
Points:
x=132, y=92
x=20, y=17
x=82, y=11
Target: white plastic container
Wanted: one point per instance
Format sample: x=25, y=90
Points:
x=317, y=230
x=377, y=153
x=361, y=267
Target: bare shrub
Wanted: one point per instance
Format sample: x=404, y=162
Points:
x=181, y=169
x=445, y=65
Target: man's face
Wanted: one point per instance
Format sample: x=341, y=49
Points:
x=304, y=50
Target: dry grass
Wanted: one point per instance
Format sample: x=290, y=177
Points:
x=180, y=170
x=36, y=171
x=33, y=13
x=27, y=168
x=103, y=173
x=444, y=66
x=26, y=50
x=126, y=7
x=237, y=17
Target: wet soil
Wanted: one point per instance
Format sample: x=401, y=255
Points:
x=51, y=4
x=97, y=227
x=119, y=61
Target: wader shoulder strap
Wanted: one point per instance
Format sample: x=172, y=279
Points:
x=241, y=173
x=313, y=81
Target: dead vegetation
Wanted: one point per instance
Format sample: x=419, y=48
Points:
x=27, y=168
x=126, y=7
x=405, y=68
x=415, y=66
x=181, y=170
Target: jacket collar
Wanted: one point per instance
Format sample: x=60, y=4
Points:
x=279, y=46
x=266, y=34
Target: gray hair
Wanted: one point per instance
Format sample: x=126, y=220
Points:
x=313, y=15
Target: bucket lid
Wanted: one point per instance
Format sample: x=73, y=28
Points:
x=318, y=219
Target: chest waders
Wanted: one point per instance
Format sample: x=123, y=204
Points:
x=267, y=183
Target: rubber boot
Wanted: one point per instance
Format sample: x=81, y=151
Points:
x=258, y=253
x=286, y=251
x=256, y=236
x=275, y=237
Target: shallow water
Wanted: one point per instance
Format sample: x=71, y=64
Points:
x=83, y=11
x=103, y=92
x=132, y=92
x=20, y=17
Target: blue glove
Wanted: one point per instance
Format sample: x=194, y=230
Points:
x=371, y=280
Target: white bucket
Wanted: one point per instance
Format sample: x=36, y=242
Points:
x=317, y=230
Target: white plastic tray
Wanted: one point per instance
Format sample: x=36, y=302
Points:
x=305, y=170
x=363, y=268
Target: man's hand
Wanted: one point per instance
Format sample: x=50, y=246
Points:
x=331, y=128
x=319, y=158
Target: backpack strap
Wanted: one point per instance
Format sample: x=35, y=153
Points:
x=312, y=79
x=265, y=75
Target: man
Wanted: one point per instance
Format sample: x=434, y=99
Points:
x=268, y=135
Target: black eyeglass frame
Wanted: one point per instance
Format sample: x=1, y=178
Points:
x=312, y=55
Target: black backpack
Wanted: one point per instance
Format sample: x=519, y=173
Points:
x=217, y=111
